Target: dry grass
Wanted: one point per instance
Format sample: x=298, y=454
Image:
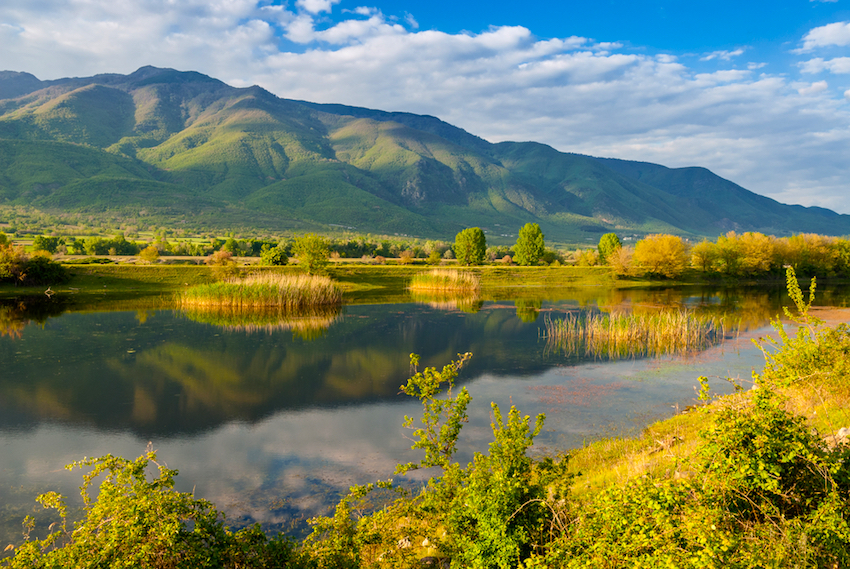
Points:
x=445, y=281
x=265, y=290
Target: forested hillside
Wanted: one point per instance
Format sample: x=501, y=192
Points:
x=181, y=145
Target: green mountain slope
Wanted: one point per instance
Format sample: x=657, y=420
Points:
x=183, y=144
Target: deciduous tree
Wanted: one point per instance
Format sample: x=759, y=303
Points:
x=529, y=246
x=312, y=251
x=470, y=246
x=661, y=254
x=608, y=243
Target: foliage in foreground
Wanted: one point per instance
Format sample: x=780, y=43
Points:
x=136, y=522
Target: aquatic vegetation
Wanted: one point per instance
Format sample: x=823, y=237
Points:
x=445, y=281
x=633, y=335
x=265, y=290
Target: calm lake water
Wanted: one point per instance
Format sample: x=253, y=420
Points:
x=271, y=423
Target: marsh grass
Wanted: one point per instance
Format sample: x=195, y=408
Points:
x=291, y=292
x=634, y=335
x=445, y=281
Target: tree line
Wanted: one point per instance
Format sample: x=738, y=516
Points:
x=744, y=255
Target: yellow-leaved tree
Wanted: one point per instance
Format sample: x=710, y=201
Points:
x=661, y=254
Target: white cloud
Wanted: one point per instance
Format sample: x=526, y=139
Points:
x=767, y=133
x=836, y=34
x=724, y=55
x=838, y=65
x=316, y=6
x=814, y=88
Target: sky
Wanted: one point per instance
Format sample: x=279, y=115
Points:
x=756, y=91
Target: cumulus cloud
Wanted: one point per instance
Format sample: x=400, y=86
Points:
x=813, y=89
x=836, y=34
x=316, y=6
x=767, y=132
x=838, y=65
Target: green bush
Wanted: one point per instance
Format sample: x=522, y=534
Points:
x=136, y=522
x=36, y=269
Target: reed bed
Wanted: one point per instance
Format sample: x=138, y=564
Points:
x=291, y=292
x=634, y=335
x=445, y=281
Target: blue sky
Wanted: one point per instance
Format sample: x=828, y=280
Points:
x=759, y=92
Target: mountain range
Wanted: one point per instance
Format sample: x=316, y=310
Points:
x=182, y=145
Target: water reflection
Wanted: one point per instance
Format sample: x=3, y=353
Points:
x=308, y=323
x=448, y=301
x=271, y=425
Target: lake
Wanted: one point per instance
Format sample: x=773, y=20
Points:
x=272, y=420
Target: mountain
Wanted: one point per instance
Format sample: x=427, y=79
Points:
x=181, y=145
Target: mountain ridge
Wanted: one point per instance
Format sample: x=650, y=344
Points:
x=180, y=142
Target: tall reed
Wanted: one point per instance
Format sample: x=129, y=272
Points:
x=266, y=290
x=446, y=281
x=633, y=335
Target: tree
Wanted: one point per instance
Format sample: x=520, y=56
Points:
x=529, y=245
x=470, y=246
x=661, y=254
x=149, y=254
x=621, y=261
x=704, y=255
x=45, y=243
x=274, y=256
x=608, y=243
x=312, y=251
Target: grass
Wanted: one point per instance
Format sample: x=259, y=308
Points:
x=259, y=290
x=632, y=335
x=446, y=281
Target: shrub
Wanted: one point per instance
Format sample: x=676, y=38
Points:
x=134, y=522
x=36, y=269
x=406, y=257
x=149, y=254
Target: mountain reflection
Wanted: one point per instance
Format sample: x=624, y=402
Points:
x=168, y=373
